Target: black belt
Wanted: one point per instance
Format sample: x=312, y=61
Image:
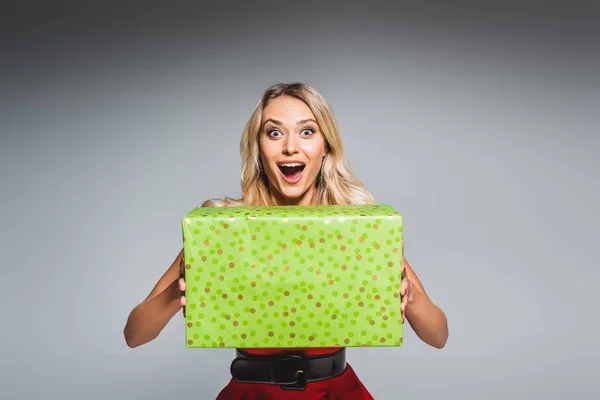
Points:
x=289, y=369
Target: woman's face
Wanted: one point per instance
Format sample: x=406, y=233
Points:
x=292, y=150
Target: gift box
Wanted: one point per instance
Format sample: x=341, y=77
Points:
x=293, y=276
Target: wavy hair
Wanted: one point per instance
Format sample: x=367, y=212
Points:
x=335, y=184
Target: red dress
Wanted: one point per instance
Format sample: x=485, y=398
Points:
x=345, y=386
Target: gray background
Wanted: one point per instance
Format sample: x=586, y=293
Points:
x=479, y=122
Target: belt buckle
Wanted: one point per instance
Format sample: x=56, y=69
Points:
x=294, y=364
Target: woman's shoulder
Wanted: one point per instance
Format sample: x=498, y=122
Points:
x=222, y=202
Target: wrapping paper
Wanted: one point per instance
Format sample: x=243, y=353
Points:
x=293, y=276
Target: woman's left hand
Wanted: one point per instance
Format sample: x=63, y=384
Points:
x=405, y=287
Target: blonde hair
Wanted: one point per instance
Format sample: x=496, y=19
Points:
x=335, y=184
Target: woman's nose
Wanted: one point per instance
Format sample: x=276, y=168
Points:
x=290, y=146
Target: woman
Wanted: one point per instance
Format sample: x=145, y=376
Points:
x=292, y=154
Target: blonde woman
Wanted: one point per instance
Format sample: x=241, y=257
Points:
x=292, y=154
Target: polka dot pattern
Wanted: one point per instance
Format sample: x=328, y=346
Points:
x=293, y=276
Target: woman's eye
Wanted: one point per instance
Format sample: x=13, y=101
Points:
x=273, y=132
x=307, y=132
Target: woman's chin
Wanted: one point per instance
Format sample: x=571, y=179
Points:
x=293, y=194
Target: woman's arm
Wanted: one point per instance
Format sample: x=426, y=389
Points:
x=148, y=319
x=427, y=320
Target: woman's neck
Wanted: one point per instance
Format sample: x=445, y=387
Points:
x=305, y=200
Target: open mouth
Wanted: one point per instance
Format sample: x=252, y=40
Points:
x=292, y=172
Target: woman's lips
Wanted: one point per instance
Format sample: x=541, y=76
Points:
x=291, y=172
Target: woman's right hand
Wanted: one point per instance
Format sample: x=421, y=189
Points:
x=182, y=300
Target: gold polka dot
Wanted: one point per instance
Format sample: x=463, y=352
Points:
x=292, y=335
x=270, y=256
x=220, y=251
x=330, y=281
x=284, y=246
x=225, y=226
x=252, y=311
x=188, y=266
x=286, y=293
x=207, y=290
x=382, y=340
x=271, y=334
x=271, y=303
x=244, y=336
x=374, y=277
x=293, y=309
x=286, y=268
x=347, y=341
x=203, y=258
x=395, y=249
x=242, y=249
x=318, y=304
x=310, y=296
x=360, y=304
x=189, y=324
x=385, y=317
x=396, y=295
x=228, y=317
x=221, y=344
x=285, y=314
x=383, y=309
x=333, y=316
x=343, y=248
x=322, y=240
x=304, y=227
x=206, y=242
x=224, y=295
x=376, y=246
x=190, y=342
x=202, y=304
x=235, y=323
x=253, y=237
x=270, y=274
x=318, y=272
x=344, y=267
x=390, y=264
x=240, y=297
x=375, y=226
x=218, y=231
x=312, y=245
x=299, y=242
x=221, y=278
x=253, y=264
x=358, y=257
x=253, y=284
x=362, y=289
x=311, y=338
x=346, y=295
x=231, y=265
x=292, y=323
x=372, y=322
x=377, y=297
x=361, y=239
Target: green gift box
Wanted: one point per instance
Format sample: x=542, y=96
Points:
x=293, y=276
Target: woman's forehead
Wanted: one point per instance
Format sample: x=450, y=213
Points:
x=287, y=109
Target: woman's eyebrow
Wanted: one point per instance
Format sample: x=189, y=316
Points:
x=303, y=121
x=273, y=121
